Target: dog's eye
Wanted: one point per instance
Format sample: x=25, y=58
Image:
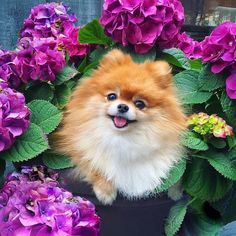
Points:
x=111, y=97
x=139, y=104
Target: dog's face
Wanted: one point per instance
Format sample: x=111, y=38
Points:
x=123, y=96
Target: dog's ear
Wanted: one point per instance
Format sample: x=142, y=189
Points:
x=115, y=58
x=161, y=72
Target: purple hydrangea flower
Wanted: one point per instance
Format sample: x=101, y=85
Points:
x=39, y=59
x=46, y=20
x=191, y=48
x=220, y=47
x=69, y=40
x=142, y=23
x=231, y=86
x=14, y=116
x=39, y=207
x=8, y=70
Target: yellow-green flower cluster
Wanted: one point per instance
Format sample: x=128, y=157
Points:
x=206, y=125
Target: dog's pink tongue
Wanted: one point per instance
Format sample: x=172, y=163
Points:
x=120, y=121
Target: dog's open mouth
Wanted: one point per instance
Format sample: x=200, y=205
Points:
x=120, y=121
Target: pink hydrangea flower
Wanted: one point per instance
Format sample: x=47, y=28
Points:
x=142, y=23
x=231, y=86
x=69, y=40
x=14, y=116
x=32, y=203
x=209, y=125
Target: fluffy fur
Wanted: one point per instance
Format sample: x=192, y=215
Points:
x=132, y=159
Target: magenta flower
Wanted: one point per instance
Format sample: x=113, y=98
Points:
x=142, y=23
x=8, y=70
x=231, y=86
x=14, y=116
x=69, y=40
x=220, y=47
x=33, y=204
x=46, y=20
x=190, y=47
x=39, y=59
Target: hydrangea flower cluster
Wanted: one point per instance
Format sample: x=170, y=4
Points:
x=47, y=20
x=47, y=33
x=14, y=115
x=191, y=48
x=33, y=204
x=39, y=59
x=142, y=23
x=206, y=125
x=8, y=69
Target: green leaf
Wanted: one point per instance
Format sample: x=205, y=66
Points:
x=45, y=115
x=83, y=64
x=210, y=81
x=65, y=74
x=139, y=58
x=204, y=182
x=188, y=86
x=40, y=90
x=200, y=225
x=61, y=96
x=222, y=164
x=93, y=33
x=190, y=140
x=176, y=217
x=196, y=64
x=175, y=174
x=27, y=146
x=91, y=66
x=217, y=143
x=56, y=161
x=227, y=205
x=229, y=108
x=231, y=140
x=2, y=167
x=98, y=54
x=176, y=57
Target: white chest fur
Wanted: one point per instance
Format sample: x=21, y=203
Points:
x=135, y=162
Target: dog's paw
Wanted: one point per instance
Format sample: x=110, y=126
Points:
x=105, y=197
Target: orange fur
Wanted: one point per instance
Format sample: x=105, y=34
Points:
x=86, y=129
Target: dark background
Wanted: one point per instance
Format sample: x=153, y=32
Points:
x=201, y=15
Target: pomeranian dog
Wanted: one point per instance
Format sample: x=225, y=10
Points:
x=122, y=127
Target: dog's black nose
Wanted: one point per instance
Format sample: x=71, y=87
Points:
x=122, y=108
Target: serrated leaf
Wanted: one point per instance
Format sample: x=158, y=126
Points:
x=176, y=57
x=209, y=81
x=65, y=74
x=222, y=164
x=188, y=86
x=175, y=218
x=27, y=146
x=173, y=177
x=39, y=91
x=228, y=230
x=93, y=33
x=45, y=115
x=204, y=182
x=56, y=161
x=61, y=96
x=229, y=108
x=190, y=140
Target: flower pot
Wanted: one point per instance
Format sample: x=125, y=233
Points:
x=142, y=217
